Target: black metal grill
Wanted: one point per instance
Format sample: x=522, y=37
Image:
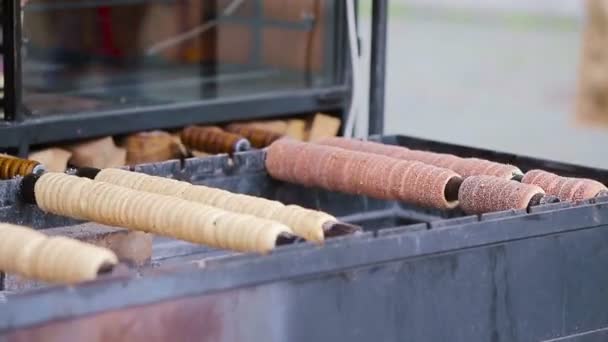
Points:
x=11, y=60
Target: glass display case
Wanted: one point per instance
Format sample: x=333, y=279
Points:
x=84, y=56
x=75, y=69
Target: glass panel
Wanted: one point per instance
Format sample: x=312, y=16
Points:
x=91, y=55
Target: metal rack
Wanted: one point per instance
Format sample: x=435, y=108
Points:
x=18, y=131
x=515, y=275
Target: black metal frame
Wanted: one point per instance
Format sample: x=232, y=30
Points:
x=19, y=132
x=11, y=53
x=377, y=80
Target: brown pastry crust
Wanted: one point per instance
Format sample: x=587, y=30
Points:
x=565, y=188
x=483, y=194
x=463, y=166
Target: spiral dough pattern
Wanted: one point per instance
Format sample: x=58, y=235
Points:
x=58, y=259
x=304, y=222
x=483, y=194
x=359, y=173
x=210, y=139
x=565, y=188
x=465, y=167
x=12, y=167
x=114, y=205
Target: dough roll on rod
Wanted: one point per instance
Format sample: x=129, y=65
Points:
x=105, y=203
x=463, y=166
x=312, y=225
x=362, y=173
x=565, y=188
x=258, y=137
x=484, y=194
x=212, y=139
x=11, y=167
x=57, y=259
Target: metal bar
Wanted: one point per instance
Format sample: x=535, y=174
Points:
x=39, y=7
x=11, y=38
x=247, y=271
x=209, y=42
x=86, y=125
x=306, y=24
x=340, y=56
x=330, y=26
x=257, y=33
x=378, y=66
x=335, y=46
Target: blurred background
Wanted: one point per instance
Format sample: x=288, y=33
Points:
x=529, y=77
x=502, y=74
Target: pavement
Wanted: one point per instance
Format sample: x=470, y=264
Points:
x=504, y=81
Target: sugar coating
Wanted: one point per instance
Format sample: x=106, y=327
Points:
x=463, y=166
x=483, y=194
x=565, y=188
x=361, y=173
x=274, y=163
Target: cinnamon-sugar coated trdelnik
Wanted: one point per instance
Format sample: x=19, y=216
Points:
x=361, y=173
x=565, y=188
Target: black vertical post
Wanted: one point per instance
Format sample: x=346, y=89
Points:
x=209, y=43
x=11, y=53
x=257, y=21
x=378, y=66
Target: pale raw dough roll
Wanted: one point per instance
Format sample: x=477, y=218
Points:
x=304, y=222
x=164, y=215
x=62, y=260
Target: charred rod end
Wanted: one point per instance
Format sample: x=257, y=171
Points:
x=285, y=239
x=548, y=199
x=518, y=177
x=541, y=199
x=27, y=188
x=337, y=228
x=87, y=172
x=122, y=268
x=105, y=268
